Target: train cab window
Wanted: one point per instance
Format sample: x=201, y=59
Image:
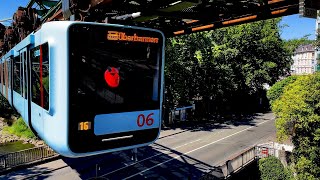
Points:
x=119, y=75
x=16, y=75
x=40, y=75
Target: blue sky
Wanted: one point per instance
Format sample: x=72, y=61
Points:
x=8, y=7
x=298, y=27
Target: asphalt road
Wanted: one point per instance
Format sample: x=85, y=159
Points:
x=181, y=153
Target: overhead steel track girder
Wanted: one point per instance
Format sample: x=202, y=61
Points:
x=271, y=10
x=177, y=17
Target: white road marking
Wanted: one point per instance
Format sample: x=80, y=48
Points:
x=150, y=157
x=193, y=150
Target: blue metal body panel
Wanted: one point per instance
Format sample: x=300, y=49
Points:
x=129, y=119
x=9, y=54
x=18, y=102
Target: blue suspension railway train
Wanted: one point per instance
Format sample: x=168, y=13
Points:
x=87, y=88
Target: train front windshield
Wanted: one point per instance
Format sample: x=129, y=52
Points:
x=115, y=86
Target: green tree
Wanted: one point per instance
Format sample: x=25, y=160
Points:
x=293, y=44
x=298, y=116
x=225, y=67
x=277, y=89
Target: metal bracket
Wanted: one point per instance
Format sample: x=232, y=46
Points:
x=66, y=9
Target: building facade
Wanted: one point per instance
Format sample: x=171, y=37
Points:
x=318, y=22
x=318, y=51
x=304, y=60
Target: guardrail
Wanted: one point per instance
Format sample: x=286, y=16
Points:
x=226, y=168
x=24, y=157
x=238, y=162
x=235, y=163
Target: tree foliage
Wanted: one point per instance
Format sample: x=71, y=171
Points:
x=226, y=67
x=298, y=115
x=293, y=44
x=317, y=42
x=277, y=89
x=272, y=169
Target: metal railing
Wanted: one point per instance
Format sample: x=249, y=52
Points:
x=238, y=162
x=235, y=163
x=27, y=156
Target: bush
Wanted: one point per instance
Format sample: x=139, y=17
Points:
x=19, y=128
x=277, y=89
x=271, y=168
x=298, y=116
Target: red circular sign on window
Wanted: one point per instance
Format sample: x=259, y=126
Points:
x=111, y=76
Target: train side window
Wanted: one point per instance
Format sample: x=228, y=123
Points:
x=1, y=74
x=16, y=75
x=25, y=84
x=4, y=72
x=9, y=72
x=1, y=77
x=40, y=75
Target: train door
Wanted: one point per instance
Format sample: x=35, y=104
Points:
x=17, y=72
x=24, y=77
x=38, y=62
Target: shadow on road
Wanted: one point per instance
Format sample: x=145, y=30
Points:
x=211, y=125
x=153, y=162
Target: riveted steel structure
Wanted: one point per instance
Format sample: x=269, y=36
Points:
x=173, y=17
